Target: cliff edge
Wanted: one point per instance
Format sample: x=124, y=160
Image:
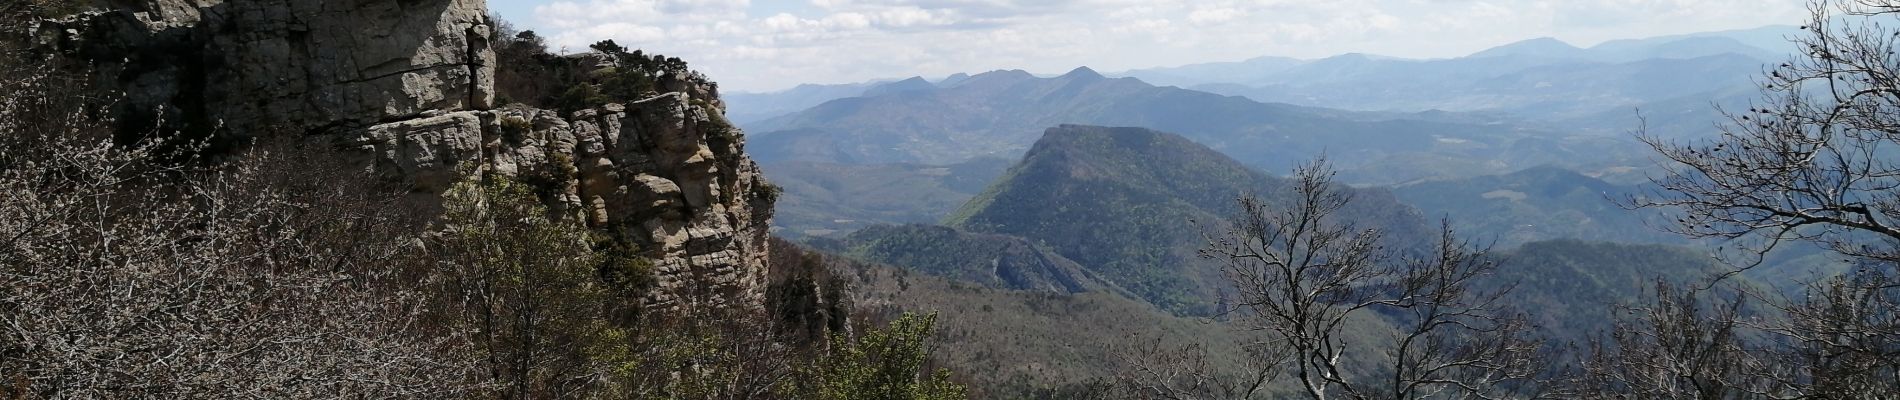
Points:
x=409, y=87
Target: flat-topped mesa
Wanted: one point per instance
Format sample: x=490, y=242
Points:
x=410, y=84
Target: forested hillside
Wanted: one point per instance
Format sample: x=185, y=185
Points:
x=1133, y=204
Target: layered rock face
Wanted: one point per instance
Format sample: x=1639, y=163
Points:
x=262, y=67
x=409, y=83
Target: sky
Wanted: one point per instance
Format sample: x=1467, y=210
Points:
x=762, y=45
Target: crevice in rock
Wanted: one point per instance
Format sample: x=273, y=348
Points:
x=471, y=58
x=383, y=76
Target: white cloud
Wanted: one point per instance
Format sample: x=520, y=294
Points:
x=1215, y=15
x=771, y=44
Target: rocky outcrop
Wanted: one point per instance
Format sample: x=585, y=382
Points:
x=409, y=83
x=264, y=67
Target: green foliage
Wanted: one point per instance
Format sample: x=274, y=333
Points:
x=768, y=192
x=806, y=299
x=627, y=83
x=607, y=47
x=580, y=97
x=529, y=289
x=526, y=72
x=553, y=177
x=514, y=130
x=627, y=274
x=47, y=8
x=885, y=364
x=716, y=125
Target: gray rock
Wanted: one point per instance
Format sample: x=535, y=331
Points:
x=258, y=67
x=411, y=84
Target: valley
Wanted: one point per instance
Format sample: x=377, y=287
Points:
x=1526, y=149
x=943, y=200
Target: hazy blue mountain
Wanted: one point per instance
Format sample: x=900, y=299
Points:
x=999, y=113
x=915, y=83
x=746, y=107
x=1251, y=70
x=953, y=79
x=1684, y=116
x=1769, y=43
x=1766, y=44
x=1538, y=79
x=1537, y=204
x=831, y=198
x=1545, y=47
x=1525, y=86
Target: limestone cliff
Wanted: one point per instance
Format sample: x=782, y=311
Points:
x=409, y=84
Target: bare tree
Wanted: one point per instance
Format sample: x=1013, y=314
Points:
x=1156, y=370
x=130, y=272
x=1839, y=338
x=1678, y=347
x=1304, y=277
x=1812, y=161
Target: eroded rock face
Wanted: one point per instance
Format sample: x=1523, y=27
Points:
x=261, y=67
x=663, y=171
x=409, y=83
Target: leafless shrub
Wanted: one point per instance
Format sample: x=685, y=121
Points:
x=1303, y=275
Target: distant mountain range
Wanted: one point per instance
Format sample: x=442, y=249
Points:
x=999, y=113
x=1093, y=216
x=1763, y=44
x=1089, y=233
x=748, y=107
x=1595, y=89
x=1541, y=79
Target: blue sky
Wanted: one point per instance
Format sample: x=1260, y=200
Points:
x=761, y=45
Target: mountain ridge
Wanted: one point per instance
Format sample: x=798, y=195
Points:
x=998, y=113
x=1134, y=204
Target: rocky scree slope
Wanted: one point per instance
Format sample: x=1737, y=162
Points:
x=407, y=87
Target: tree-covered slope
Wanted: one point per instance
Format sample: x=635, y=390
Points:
x=1131, y=204
x=997, y=261
x=1014, y=344
x=1571, y=288
x=1540, y=203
